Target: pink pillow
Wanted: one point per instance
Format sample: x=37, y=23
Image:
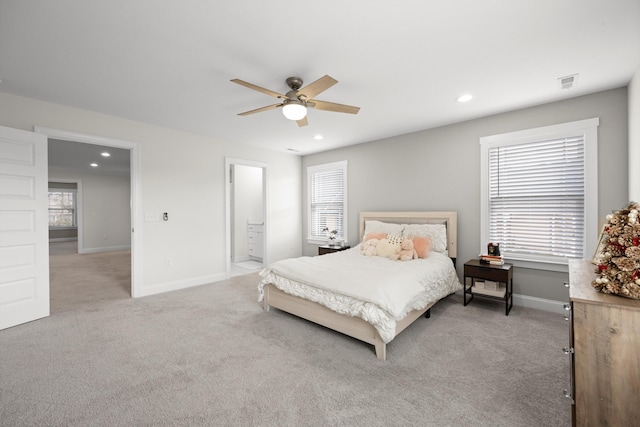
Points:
x=422, y=245
x=378, y=236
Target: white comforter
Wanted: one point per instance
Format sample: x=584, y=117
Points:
x=375, y=289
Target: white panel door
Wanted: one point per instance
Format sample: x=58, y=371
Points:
x=24, y=227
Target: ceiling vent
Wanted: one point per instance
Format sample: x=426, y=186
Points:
x=567, y=82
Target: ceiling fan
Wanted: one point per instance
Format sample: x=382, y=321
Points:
x=296, y=101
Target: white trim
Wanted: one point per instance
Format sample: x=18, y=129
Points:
x=539, y=303
x=341, y=164
x=228, y=162
x=527, y=301
x=137, y=282
x=589, y=128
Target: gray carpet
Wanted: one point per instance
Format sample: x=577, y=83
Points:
x=209, y=355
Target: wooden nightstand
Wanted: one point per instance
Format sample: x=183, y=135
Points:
x=326, y=249
x=475, y=270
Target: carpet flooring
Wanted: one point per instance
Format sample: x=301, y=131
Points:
x=209, y=355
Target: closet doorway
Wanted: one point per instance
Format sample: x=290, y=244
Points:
x=246, y=216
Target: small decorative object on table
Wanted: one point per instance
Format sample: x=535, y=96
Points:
x=618, y=254
x=332, y=236
x=493, y=249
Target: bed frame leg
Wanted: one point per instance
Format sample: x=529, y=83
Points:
x=381, y=350
x=428, y=314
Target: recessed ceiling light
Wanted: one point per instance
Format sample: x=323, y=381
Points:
x=105, y=154
x=318, y=137
x=94, y=165
x=464, y=98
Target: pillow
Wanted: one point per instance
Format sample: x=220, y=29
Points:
x=389, y=247
x=374, y=226
x=422, y=245
x=436, y=232
x=370, y=236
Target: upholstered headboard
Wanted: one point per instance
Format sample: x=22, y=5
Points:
x=449, y=219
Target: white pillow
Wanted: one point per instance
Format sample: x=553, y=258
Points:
x=436, y=232
x=374, y=226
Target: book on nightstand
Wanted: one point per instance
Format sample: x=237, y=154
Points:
x=491, y=259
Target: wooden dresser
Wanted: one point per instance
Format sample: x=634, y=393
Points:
x=605, y=351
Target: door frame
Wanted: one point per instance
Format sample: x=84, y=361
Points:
x=228, y=163
x=135, y=182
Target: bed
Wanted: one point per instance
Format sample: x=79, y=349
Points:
x=348, y=292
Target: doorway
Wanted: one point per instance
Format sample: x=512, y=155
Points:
x=135, y=239
x=246, y=216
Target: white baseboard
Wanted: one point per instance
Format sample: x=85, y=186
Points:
x=159, y=288
x=105, y=249
x=535, y=302
x=539, y=303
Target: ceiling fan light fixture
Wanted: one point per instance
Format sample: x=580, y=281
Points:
x=294, y=110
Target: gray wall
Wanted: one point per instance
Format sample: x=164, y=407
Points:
x=105, y=211
x=439, y=169
x=634, y=137
x=182, y=174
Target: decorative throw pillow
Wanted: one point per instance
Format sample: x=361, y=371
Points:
x=436, y=232
x=422, y=245
x=389, y=247
x=370, y=236
x=375, y=226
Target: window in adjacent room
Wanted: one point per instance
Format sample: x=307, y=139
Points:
x=539, y=190
x=62, y=207
x=327, y=201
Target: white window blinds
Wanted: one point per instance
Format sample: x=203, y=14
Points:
x=536, y=198
x=327, y=200
x=539, y=193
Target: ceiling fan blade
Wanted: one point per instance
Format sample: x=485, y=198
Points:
x=259, y=110
x=302, y=122
x=320, y=85
x=258, y=88
x=332, y=106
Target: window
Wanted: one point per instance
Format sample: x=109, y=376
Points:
x=62, y=208
x=539, y=193
x=327, y=200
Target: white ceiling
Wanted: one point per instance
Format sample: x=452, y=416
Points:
x=404, y=62
x=79, y=156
